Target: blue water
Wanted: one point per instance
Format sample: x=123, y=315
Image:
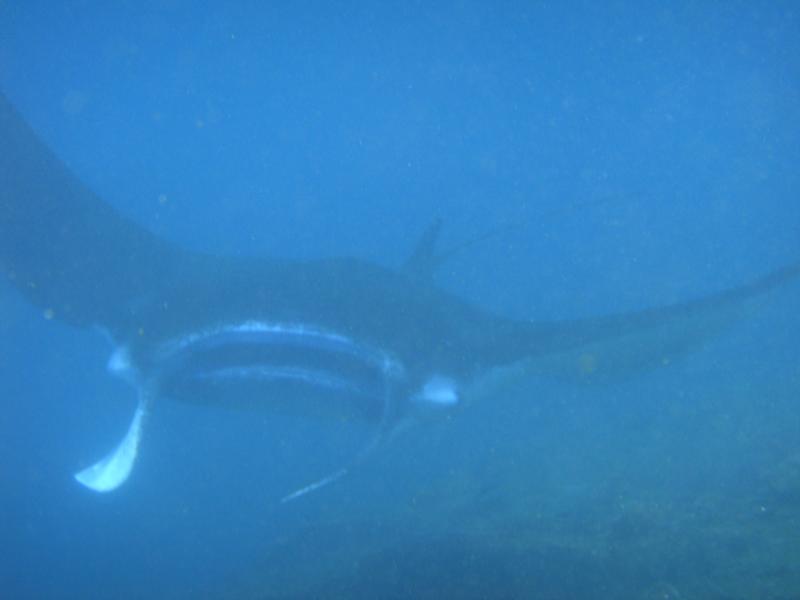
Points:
x=626, y=155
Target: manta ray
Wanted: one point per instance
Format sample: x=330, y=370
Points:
x=330, y=337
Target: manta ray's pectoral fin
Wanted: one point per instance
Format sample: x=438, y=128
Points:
x=113, y=470
x=612, y=347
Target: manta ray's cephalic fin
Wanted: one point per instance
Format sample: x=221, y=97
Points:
x=113, y=470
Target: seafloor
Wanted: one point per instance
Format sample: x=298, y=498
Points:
x=699, y=500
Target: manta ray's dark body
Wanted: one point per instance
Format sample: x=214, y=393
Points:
x=306, y=337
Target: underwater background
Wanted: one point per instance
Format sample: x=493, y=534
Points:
x=619, y=155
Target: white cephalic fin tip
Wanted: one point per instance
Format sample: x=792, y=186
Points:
x=111, y=471
x=438, y=391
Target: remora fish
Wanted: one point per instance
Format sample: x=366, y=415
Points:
x=337, y=336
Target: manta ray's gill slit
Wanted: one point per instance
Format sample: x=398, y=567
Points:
x=294, y=366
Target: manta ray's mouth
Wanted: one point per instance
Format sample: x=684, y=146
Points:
x=294, y=368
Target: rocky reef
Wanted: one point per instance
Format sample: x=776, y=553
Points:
x=700, y=500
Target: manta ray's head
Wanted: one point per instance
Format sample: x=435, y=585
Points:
x=288, y=367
